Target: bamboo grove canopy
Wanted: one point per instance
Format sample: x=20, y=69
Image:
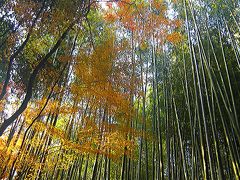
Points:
x=122, y=89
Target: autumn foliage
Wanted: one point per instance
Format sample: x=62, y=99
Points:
x=74, y=82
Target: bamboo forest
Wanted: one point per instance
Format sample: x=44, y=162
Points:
x=119, y=89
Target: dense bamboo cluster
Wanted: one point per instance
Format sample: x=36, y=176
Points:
x=119, y=90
